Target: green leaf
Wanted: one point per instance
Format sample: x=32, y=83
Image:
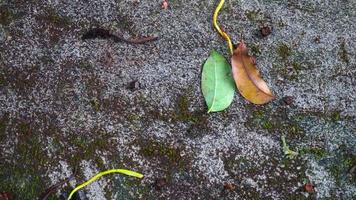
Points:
x=217, y=83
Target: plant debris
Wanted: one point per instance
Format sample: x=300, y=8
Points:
x=100, y=33
x=97, y=33
x=44, y=195
x=287, y=152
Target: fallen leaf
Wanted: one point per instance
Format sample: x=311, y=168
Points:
x=247, y=77
x=217, y=84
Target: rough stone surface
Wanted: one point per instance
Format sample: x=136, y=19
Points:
x=66, y=105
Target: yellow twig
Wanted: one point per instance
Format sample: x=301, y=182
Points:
x=216, y=25
x=94, y=178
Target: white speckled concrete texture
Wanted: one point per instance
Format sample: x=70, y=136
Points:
x=69, y=105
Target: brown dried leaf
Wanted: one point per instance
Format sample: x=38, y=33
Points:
x=247, y=77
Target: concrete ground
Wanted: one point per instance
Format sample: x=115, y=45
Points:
x=69, y=105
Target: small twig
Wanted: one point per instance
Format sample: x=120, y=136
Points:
x=106, y=34
x=140, y=40
x=44, y=195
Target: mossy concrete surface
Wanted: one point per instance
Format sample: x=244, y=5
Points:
x=69, y=105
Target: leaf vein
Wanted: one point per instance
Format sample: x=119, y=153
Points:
x=215, y=86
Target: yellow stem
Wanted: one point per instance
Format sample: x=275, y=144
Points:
x=94, y=178
x=216, y=26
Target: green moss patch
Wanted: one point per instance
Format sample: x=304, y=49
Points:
x=21, y=176
x=87, y=146
x=343, y=54
x=318, y=153
x=274, y=121
x=343, y=161
x=6, y=16
x=255, y=16
x=169, y=155
x=284, y=51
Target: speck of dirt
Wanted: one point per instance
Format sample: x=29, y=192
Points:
x=317, y=39
x=255, y=49
x=229, y=186
x=288, y=100
x=160, y=183
x=134, y=85
x=308, y=187
x=266, y=30
x=343, y=54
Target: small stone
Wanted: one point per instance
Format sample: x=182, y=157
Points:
x=266, y=30
x=288, y=100
x=308, y=187
x=160, y=183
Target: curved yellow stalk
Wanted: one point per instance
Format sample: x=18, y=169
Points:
x=94, y=178
x=216, y=25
